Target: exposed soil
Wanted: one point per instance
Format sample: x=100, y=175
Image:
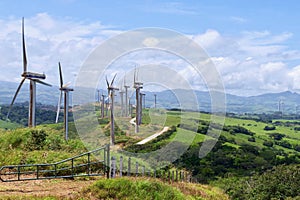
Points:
x=61, y=188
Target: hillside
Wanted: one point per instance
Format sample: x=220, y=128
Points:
x=246, y=148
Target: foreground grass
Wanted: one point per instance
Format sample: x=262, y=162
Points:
x=141, y=188
x=120, y=188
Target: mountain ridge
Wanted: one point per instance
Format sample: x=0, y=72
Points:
x=267, y=102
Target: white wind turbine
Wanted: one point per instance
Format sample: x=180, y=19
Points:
x=66, y=90
x=138, y=86
x=33, y=78
x=111, y=94
x=126, y=98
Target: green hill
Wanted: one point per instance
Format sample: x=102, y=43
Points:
x=246, y=148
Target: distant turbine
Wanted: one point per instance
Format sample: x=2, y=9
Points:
x=138, y=86
x=144, y=100
x=154, y=100
x=126, y=98
x=111, y=92
x=66, y=90
x=33, y=78
x=102, y=105
x=122, y=102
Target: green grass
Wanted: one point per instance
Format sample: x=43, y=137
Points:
x=141, y=188
x=8, y=125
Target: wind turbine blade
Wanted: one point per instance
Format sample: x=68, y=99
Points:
x=112, y=82
x=66, y=85
x=58, y=106
x=41, y=82
x=134, y=75
x=60, y=75
x=24, y=48
x=16, y=94
x=107, y=82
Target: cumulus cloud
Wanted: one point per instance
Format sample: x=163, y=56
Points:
x=48, y=40
x=249, y=63
x=252, y=62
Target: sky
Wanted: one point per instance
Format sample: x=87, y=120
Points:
x=255, y=45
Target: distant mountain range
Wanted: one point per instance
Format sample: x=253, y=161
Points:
x=264, y=103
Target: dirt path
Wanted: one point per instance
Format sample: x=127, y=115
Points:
x=144, y=141
x=55, y=187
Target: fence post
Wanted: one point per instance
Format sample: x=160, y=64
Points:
x=19, y=173
x=37, y=171
x=176, y=175
x=89, y=167
x=172, y=176
x=143, y=170
x=121, y=166
x=113, y=167
x=136, y=169
x=129, y=166
x=55, y=170
x=72, y=167
x=108, y=161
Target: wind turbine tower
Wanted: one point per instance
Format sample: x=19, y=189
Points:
x=66, y=90
x=102, y=105
x=138, y=86
x=111, y=91
x=154, y=100
x=126, y=98
x=33, y=78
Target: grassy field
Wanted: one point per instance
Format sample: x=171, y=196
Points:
x=46, y=144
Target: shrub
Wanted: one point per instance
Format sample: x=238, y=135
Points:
x=269, y=128
x=297, y=148
x=37, y=139
x=276, y=136
x=251, y=139
x=284, y=144
x=268, y=143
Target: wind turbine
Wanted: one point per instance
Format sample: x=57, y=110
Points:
x=66, y=90
x=126, y=98
x=102, y=105
x=138, y=86
x=33, y=78
x=155, y=100
x=111, y=92
x=122, y=101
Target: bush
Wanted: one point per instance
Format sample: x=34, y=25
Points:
x=276, y=136
x=268, y=143
x=269, y=128
x=284, y=144
x=37, y=139
x=297, y=148
x=251, y=139
x=282, y=182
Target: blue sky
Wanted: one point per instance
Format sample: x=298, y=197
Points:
x=266, y=35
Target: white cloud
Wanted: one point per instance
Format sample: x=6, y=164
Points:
x=253, y=62
x=48, y=40
x=239, y=20
x=250, y=63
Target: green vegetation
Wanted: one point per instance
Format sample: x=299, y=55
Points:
x=44, y=144
x=128, y=188
x=249, y=160
x=280, y=182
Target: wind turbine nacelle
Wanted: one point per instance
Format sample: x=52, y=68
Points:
x=138, y=85
x=66, y=89
x=32, y=75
